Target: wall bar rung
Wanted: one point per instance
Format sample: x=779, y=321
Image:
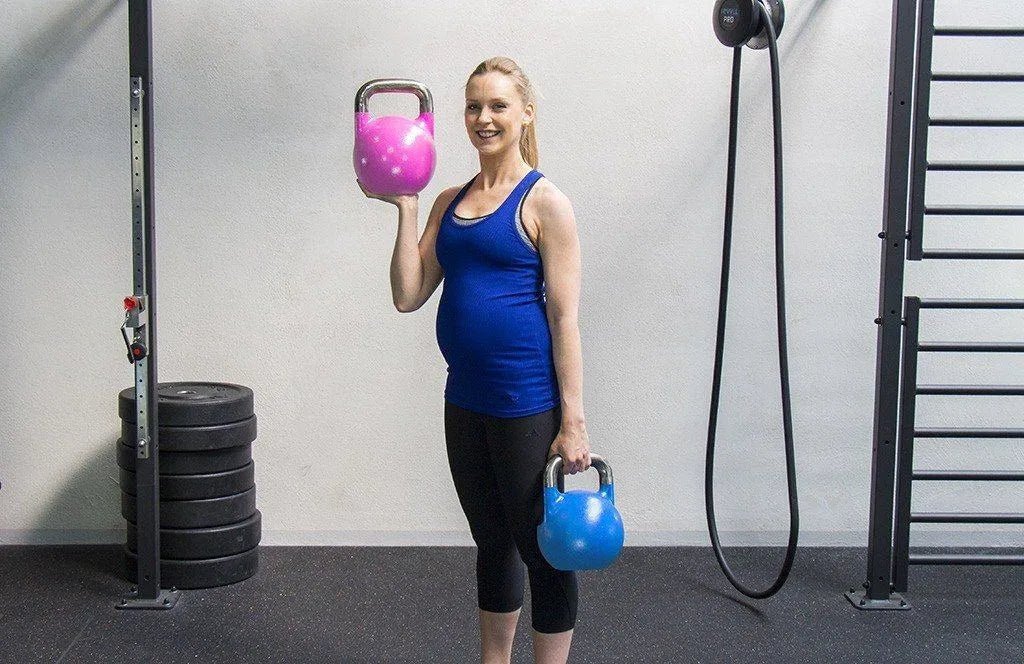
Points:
x=953, y=559
x=965, y=517
x=976, y=122
x=973, y=390
x=970, y=475
x=968, y=77
x=978, y=32
x=973, y=254
x=976, y=210
x=971, y=304
x=967, y=432
x=988, y=167
x=946, y=347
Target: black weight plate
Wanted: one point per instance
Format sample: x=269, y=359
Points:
x=197, y=487
x=196, y=543
x=209, y=573
x=205, y=437
x=189, y=404
x=198, y=513
x=190, y=463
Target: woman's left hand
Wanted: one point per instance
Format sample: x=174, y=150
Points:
x=573, y=444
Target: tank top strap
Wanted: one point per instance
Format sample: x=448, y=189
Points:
x=511, y=202
x=517, y=195
x=459, y=196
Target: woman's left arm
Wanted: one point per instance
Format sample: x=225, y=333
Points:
x=559, y=247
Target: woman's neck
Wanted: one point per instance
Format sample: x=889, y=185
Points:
x=498, y=170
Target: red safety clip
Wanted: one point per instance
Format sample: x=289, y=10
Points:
x=133, y=307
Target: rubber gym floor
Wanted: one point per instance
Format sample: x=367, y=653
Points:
x=417, y=604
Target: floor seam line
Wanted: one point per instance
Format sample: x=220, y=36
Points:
x=75, y=640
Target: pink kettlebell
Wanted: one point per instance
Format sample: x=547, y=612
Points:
x=394, y=155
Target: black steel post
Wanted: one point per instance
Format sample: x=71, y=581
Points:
x=140, y=64
x=905, y=457
x=149, y=594
x=877, y=591
x=922, y=103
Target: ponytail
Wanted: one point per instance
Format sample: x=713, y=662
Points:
x=528, y=144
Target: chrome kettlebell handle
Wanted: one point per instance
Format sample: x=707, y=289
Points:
x=555, y=465
x=371, y=88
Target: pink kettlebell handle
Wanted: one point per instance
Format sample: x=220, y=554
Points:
x=371, y=88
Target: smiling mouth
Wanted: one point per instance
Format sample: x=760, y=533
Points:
x=487, y=134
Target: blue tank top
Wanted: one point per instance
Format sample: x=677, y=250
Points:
x=491, y=322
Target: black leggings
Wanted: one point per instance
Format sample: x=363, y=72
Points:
x=498, y=464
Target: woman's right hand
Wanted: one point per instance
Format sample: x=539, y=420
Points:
x=397, y=201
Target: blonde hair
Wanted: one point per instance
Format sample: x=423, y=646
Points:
x=508, y=66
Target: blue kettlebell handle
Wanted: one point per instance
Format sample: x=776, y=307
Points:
x=604, y=471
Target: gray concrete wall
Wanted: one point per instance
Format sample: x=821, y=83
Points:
x=273, y=268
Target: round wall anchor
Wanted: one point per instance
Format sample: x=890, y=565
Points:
x=739, y=22
x=760, y=40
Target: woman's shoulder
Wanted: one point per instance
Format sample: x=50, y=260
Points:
x=445, y=198
x=450, y=192
x=546, y=200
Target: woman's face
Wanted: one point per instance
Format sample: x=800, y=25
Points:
x=495, y=114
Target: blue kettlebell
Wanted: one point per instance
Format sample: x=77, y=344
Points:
x=581, y=529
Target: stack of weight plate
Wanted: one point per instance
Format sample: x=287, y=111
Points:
x=209, y=524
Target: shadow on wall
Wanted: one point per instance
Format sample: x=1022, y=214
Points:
x=34, y=63
x=686, y=182
x=87, y=508
x=797, y=22
x=710, y=140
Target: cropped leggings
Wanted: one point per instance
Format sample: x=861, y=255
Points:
x=498, y=466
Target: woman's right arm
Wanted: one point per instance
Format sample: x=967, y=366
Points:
x=415, y=272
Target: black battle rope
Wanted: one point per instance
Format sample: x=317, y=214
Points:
x=794, y=513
